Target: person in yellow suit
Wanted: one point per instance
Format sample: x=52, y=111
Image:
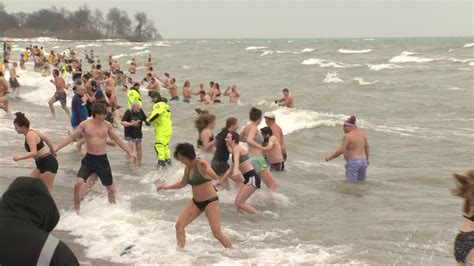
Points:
x=160, y=117
x=133, y=95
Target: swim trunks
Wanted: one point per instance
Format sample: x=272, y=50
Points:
x=98, y=164
x=251, y=178
x=47, y=163
x=61, y=97
x=356, y=169
x=258, y=163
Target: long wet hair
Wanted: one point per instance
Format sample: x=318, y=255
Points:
x=21, y=120
x=229, y=122
x=203, y=120
x=465, y=189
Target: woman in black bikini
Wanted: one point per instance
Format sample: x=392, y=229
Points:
x=464, y=243
x=45, y=159
x=198, y=174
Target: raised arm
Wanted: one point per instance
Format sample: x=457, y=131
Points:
x=76, y=134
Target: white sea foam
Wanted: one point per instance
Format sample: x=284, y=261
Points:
x=362, y=82
x=379, y=67
x=308, y=50
x=332, y=77
x=266, y=52
x=456, y=60
x=347, y=51
x=118, y=56
x=56, y=47
x=185, y=67
x=292, y=120
x=471, y=63
x=451, y=50
x=407, y=57
x=138, y=48
x=256, y=47
x=141, y=53
x=162, y=44
x=88, y=45
x=467, y=45
x=326, y=63
x=369, y=39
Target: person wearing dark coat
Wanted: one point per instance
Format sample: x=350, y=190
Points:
x=28, y=214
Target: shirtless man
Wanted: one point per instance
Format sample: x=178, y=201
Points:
x=60, y=94
x=96, y=72
x=95, y=132
x=153, y=86
x=174, y=90
x=115, y=66
x=14, y=84
x=277, y=132
x=272, y=149
x=4, y=95
x=355, y=149
x=287, y=99
x=149, y=63
x=233, y=93
x=132, y=69
x=187, y=92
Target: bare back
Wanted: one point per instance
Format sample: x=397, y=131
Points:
x=356, y=147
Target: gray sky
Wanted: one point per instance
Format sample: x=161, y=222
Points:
x=288, y=19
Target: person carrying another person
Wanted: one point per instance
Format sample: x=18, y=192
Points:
x=160, y=117
x=355, y=148
x=270, y=120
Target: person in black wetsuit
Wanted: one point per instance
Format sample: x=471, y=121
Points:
x=198, y=174
x=464, y=242
x=27, y=216
x=45, y=157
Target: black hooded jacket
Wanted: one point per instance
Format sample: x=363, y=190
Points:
x=27, y=215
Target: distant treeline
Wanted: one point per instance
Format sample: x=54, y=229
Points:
x=82, y=24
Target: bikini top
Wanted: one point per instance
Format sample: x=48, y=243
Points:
x=469, y=217
x=242, y=158
x=39, y=146
x=199, y=141
x=197, y=178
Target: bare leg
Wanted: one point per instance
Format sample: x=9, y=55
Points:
x=77, y=193
x=269, y=181
x=51, y=106
x=4, y=106
x=64, y=106
x=138, y=147
x=214, y=218
x=48, y=179
x=35, y=173
x=88, y=185
x=111, y=192
x=130, y=145
x=188, y=214
x=239, y=180
x=240, y=200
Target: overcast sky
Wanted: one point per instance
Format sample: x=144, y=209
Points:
x=288, y=19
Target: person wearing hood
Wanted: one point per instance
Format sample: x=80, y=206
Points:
x=160, y=117
x=133, y=95
x=27, y=216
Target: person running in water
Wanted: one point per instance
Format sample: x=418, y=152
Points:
x=355, y=149
x=60, y=94
x=95, y=132
x=45, y=157
x=4, y=95
x=254, y=139
x=160, y=117
x=14, y=84
x=241, y=161
x=198, y=174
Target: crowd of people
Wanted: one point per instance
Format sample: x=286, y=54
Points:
x=247, y=156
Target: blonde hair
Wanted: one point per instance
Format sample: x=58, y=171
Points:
x=465, y=189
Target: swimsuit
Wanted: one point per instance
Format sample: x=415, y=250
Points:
x=98, y=164
x=463, y=244
x=356, y=170
x=60, y=96
x=251, y=178
x=197, y=180
x=46, y=162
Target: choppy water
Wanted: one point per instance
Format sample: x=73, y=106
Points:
x=413, y=97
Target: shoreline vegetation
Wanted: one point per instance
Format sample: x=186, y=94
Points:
x=81, y=24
